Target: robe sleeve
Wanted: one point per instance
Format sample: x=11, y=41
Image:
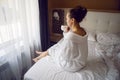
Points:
x=67, y=56
x=53, y=48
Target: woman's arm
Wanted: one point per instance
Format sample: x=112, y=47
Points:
x=45, y=53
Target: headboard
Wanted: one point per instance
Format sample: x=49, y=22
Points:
x=102, y=21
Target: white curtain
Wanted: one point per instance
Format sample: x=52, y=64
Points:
x=19, y=37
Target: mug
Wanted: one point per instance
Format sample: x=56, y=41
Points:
x=64, y=28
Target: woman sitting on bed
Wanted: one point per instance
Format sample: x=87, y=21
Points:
x=71, y=52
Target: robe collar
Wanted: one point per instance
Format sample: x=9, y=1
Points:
x=75, y=37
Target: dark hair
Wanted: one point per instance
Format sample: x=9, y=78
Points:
x=78, y=13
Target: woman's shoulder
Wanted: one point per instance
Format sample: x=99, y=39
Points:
x=80, y=32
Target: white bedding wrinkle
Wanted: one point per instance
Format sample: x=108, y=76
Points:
x=110, y=54
x=45, y=69
x=105, y=49
x=108, y=38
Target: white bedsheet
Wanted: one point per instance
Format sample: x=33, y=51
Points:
x=45, y=69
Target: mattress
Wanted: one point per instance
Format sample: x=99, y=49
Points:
x=45, y=69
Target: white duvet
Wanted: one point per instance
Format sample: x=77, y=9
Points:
x=53, y=67
x=45, y=69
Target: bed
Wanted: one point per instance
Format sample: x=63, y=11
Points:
x=103, y=52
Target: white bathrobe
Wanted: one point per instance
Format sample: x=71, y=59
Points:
x=71, y=52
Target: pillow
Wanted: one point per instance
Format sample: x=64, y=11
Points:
x=108, y=38
x=91, y=36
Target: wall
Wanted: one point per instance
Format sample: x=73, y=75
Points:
x=89, y=4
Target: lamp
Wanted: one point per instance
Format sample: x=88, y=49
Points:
x=56, y=16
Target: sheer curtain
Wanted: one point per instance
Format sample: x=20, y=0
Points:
x=19, y=37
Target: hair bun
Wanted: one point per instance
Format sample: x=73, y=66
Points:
x=78, y=13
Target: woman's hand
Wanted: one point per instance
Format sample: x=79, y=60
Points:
x=41, y=55
x=35, y=59
x=65, y=28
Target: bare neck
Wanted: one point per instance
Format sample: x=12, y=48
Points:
x=78, y=30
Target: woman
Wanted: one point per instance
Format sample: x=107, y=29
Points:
x=71, y=52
